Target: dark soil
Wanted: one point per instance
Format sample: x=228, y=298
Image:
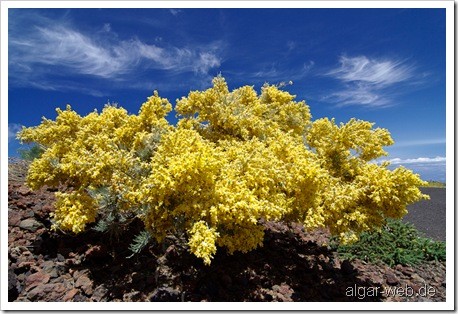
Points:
x=292, y=265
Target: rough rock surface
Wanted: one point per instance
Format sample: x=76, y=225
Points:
x=292, y=265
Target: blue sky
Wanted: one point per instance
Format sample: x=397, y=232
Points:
x=382, y=65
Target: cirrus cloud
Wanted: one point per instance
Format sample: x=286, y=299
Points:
x=418, y=161
x=13, y=128
x=75, y=51
x=377, y=73
x=366, y=81
x=55, y=48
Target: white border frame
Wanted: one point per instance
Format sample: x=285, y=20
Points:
x=161, y=306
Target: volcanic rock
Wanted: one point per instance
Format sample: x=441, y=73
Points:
x=30, y=224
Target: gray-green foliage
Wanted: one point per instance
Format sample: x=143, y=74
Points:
x=140, y=242
x=111, y=220
x=115, y=222
x=397, y=242
x=31, y=153
x=150, y=144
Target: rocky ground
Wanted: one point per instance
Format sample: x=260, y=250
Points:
x=92, y=267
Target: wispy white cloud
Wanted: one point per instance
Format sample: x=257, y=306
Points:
x=357, y=95
x=291, y=45
x=429, y=168
x=206, y=62
x=308, y=66
x=418, y=161
x=378, y=73
x=175, y=12
x=65, y=47
x=13, y=128
x=106, y=27
x=421, y=142
x=57, y=48
x=366, y=81
x=71, y=49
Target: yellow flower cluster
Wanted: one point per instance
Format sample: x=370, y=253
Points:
x=202, y=241
x=360, y=193
x=98, y=150
x=74, y=211
x=241, y=114
x=234, y=159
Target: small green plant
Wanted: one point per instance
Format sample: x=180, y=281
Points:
x=397, y=242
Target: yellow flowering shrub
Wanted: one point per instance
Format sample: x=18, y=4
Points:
x=235, y=158
x=99, y=150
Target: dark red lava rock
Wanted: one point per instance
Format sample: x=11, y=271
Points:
x=391, y=279
x=13, y=292
x=24, y=191
x=85, y=284
x=36, y=279
x=30, y=224
x=14, y=217
x=47, y=292
x=96, y=253
x=70, y=294
x=166, y=294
